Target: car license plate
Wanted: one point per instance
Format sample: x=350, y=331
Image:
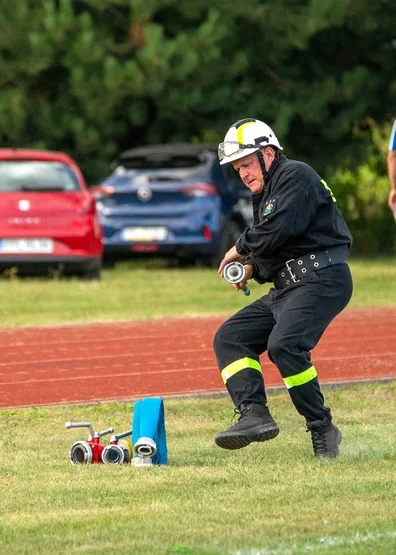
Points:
x=26, y=245
x=144, y=234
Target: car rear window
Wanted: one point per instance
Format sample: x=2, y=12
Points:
x=31, y=175
x=160, y=162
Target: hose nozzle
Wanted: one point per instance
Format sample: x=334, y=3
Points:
x=234, y=272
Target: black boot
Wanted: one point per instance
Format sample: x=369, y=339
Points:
x=254, y=424
x=325, y=438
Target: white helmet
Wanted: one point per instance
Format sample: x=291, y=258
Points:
x=245, y=137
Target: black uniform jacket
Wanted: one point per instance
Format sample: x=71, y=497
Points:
x=295, y=214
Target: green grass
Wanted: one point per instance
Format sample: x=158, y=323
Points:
x=148, y=290
x=269, y=498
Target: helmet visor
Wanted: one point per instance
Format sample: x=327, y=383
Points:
x=233, y=148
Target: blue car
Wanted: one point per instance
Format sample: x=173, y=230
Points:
x=172, y=201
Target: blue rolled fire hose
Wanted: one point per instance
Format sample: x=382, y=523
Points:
x=149, y=422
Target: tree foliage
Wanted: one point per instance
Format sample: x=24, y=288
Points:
x=92, y=77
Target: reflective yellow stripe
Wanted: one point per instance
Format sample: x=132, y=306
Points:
x=302, y=378
x=323, y=182
x=240, y=131
x=239, y=365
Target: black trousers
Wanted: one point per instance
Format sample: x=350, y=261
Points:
x=287, y=323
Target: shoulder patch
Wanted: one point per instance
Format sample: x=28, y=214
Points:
x=269, y=207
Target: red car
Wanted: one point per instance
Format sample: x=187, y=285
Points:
x=48, y=217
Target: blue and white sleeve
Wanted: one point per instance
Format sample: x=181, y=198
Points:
x=392, y=141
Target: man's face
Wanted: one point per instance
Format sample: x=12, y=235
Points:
x=250, y=172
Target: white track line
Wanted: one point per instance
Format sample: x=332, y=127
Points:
x=320, y=545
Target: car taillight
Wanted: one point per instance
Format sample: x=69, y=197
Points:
x=101, y=191
x=200, y=190
x=207, y=232
x=87, y=206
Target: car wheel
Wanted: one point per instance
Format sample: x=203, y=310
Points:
x=182, y=262
x=94, y=273
x=231, y=233
x=109, y=261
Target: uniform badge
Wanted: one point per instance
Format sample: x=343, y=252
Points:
x=269, y=207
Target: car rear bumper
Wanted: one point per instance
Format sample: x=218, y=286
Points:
x=178, y=250
x=33, y=264
x=195, y=232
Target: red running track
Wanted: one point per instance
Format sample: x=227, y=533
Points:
x=129, y=360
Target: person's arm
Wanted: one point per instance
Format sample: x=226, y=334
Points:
x=391, y=160
x=392, y=180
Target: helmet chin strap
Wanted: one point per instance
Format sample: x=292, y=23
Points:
x=261, y=162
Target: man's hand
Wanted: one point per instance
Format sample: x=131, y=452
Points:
x=230, y=256
x=392, y=202
x=248, y=275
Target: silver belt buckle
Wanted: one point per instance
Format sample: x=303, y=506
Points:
x=288, y=268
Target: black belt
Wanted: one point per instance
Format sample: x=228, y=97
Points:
x=296, y=269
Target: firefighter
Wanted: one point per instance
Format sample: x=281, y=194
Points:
x=299, y=242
